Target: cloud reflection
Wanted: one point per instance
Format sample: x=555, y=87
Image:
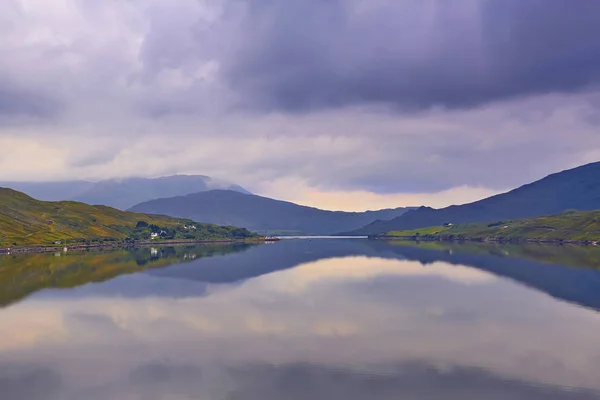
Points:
x=367, y=313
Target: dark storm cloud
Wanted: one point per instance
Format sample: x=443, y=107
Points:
x=16, y=102
x=412, y=54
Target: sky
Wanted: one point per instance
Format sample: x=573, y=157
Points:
x=340, y=104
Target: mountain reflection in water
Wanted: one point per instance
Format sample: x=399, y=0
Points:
x=319, y=319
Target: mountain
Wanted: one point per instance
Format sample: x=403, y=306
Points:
x=570, y=226
x=121, y=193
x=261, y=214
x=577, y=189
x=24, y=221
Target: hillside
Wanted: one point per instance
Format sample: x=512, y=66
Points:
x=24, y=221
x=569, y=226
x=120, y=193
x=261, y=214
x=578, y=189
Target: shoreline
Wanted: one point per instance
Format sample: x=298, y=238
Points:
x=488, y=240
x=80, y=247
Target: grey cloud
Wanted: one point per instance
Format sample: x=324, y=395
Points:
x=17, y=102
x=497, y=147
x=94, y=159
x=305, y=55
x=159, y=79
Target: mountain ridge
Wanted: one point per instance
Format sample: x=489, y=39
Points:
x=259, y=213
x=577, y=188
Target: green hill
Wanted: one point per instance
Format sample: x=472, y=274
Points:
x=577, y=189
x=26, y=221
x=569, y=226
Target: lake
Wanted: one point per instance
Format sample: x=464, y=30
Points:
x=302, y=319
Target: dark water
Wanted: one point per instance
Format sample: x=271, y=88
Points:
x=299, y=319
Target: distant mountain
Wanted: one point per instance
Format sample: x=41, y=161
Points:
x=577, y=189
x=121, y=193
x=27, y=221
x=261, y=214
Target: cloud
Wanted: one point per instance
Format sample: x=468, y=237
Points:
x=18, y=102
x=310, y=157
x=362, y=200
x=302, y=95
x=305, y=55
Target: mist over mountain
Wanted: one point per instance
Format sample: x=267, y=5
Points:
x=121, y=193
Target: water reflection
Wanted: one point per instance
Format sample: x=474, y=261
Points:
x=319, y=320
x=23, y=274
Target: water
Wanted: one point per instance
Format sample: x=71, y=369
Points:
x=302, y=319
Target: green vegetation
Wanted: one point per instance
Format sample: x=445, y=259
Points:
x=24, y=274
x=26, y=221
x=429, y=231
x=580, y=226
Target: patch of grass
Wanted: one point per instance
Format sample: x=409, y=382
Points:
x=432, y=230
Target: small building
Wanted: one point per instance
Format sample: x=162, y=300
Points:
x=153, y=235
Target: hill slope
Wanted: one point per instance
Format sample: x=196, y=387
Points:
x=578, y=188
x=261, y=214
x=122, y=193
x=24, y=220
x=572, y=225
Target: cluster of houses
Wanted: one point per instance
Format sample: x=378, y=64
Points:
x=154, y=235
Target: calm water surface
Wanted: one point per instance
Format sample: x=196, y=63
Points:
x=302, y=319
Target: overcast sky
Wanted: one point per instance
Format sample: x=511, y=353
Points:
x=342, y=104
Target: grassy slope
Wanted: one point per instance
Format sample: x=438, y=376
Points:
x=579, y=226
x=26, y=221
